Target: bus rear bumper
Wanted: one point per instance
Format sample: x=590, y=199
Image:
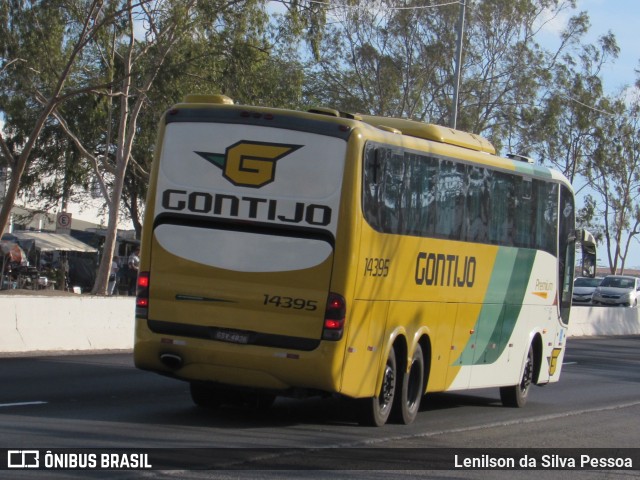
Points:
x=245, y=366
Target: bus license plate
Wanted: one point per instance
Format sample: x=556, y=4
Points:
x=231, y=337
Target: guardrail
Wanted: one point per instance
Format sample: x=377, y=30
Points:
x=83, y=323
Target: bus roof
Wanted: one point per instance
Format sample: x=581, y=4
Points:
x=467, y=142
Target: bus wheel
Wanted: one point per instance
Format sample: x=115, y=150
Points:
x=206, y=396
x=411, y=391
x=516, y=396
x=375, y=411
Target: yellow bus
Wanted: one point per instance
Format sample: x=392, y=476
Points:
x=303, y=253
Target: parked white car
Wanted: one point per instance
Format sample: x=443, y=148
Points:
x=617, y=290
x=583, y=288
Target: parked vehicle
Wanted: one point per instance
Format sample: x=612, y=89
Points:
x=583, y=288
x=617, y=290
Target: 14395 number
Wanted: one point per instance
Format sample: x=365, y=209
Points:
x=289, y=302
x=376, y=267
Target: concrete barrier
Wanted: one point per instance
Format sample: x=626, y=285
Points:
x=70, y=323
x=589, y=321
x=83, y=323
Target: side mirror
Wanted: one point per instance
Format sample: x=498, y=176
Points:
x=588, y=242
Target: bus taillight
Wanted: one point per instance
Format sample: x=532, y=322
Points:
x=142, y=295
x=334, y=316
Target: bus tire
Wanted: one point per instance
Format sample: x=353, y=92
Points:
x=516, y=395
x=411, y=389
x=206, y=396
x=375, y=411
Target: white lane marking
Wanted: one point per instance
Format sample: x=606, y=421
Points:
x=504, y=423
x=22, y=404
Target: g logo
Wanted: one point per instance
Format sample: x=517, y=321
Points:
x=250, y=164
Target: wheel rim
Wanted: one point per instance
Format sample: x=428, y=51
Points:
x=527, y=376
x=388, y=388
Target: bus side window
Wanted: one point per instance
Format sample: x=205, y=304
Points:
x=376, y=167
x=450, y=200
x=372, y=188
x=523, y=231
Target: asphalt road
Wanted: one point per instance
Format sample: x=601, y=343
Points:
x=102, y=401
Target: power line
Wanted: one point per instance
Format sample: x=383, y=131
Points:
x=590, y=107
x=361, y=7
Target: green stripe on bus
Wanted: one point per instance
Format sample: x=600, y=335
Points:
x=503, y=303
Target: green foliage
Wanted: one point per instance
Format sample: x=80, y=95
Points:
x=613, y=173
x=382, y=57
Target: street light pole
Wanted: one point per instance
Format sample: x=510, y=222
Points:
x=456, y=86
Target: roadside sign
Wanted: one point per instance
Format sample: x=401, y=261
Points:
x=63, y=223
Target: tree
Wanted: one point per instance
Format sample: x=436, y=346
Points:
x=613, y=173
x=394, y=59
x=167, y=22
x=246, y=53
x=193, y=34
x=563, y=128
x=111, y=55
x=41, y=46
x=382, y=60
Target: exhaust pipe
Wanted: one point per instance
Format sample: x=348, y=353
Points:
x=171, y=360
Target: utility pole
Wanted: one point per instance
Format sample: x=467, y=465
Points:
x=456, y=86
